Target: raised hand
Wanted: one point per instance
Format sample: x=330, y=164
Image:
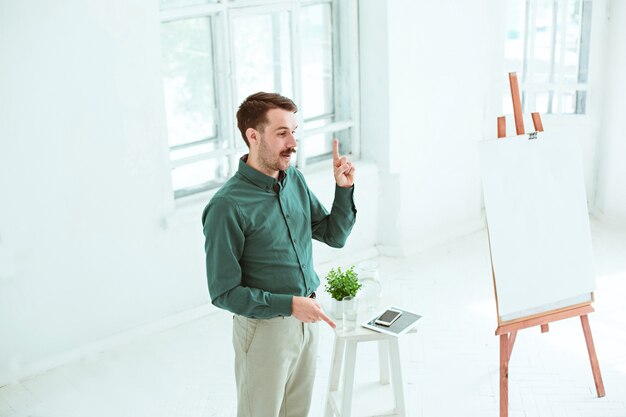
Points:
x=342, y=167
x=308, y=310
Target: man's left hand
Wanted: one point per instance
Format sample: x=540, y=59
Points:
x=343, y=168
x=308, y=310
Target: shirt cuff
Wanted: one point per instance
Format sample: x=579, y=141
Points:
x=281, y=305
x=344, y=197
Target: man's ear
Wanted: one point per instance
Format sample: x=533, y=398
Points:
x=253, y=136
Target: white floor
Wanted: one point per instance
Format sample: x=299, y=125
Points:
x=450, y=365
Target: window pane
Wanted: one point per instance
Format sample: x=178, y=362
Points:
x=515, y=37
x=585, y=35
x=320, y=147
x=188, y=80
x=572, y=41
x=190, y=151
x=262, y=54
x=169, y=4
x=202, y=174
x=568, y=102
x=317, y=60
x=545, y=33
x=542, y=103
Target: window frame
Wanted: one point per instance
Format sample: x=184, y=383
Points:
x=556, y=85
x=344, y=34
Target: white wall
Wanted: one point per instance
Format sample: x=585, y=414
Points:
x=91, y=244
x=427, y=71
x=83, y=184
x=611, y=196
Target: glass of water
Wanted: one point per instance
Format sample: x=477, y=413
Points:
x=349, y=313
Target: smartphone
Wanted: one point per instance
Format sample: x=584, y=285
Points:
x=388, y=317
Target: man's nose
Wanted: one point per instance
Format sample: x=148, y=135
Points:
x=293, y=142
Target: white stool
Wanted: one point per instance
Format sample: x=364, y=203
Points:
x=339, y=403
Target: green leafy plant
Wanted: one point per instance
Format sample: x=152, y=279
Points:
x=342, y=284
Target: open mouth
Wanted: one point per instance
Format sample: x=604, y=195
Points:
x=286, y=154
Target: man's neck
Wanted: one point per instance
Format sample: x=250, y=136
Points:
x=254, y=163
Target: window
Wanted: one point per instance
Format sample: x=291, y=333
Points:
x=547, y=44
x=216, y=53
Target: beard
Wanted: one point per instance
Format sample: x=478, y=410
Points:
x=272, y=161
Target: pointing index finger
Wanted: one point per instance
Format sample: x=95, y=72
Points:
x=327, y=320
x=335, y=150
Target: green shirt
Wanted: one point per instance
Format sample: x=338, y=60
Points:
x=258, y=243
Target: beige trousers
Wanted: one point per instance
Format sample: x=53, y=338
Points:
x=275, y=362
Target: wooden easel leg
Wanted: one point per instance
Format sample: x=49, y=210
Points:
x=504, y=375
x=517, y=104
x=511, y=343
x=501, y=127
x=595, y=366
x=537, y=122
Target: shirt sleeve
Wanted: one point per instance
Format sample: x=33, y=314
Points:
x=334, y=228
x=224, y=243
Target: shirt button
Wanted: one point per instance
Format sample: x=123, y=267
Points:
x=286, y=215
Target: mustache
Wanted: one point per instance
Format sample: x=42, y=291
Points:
x=289, y=151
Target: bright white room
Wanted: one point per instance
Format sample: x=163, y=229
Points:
x=117, y=127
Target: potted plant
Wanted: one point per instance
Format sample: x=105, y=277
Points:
x=341, y=284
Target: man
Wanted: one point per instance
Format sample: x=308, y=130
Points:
x=259, y=228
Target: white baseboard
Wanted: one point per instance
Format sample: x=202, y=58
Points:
x=22, y=372
x=614, y=223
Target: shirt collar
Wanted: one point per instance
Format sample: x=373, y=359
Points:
x=258, y=178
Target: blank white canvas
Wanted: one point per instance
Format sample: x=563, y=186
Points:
x=538, y=223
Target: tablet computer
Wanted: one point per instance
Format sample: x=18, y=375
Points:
x=400, y=323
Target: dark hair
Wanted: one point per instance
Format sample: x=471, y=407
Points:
x=252, y=112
